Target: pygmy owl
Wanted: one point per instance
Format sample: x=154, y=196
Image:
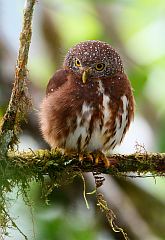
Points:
x=89, y=102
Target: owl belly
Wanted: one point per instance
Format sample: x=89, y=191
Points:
x=98, y=134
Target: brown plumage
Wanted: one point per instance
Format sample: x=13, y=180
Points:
x=89, y=102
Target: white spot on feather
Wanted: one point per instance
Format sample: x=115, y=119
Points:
x=120, y=126
x=106, y=111
x=81, y=129
x=98, y=138
x=100, y=88
x=87, y=111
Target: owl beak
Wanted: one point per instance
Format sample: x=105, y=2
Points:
x=85, y=75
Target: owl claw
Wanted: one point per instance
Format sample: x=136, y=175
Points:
x=85, y=156
x=100, y=157
x=96, y=157
x=81, y=157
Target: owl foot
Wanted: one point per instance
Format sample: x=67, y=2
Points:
x=95, y=157
x=85, y=156
x=100, y=157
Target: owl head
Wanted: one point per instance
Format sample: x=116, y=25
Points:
x=94, y=59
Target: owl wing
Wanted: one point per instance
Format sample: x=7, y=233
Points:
x=58, y=79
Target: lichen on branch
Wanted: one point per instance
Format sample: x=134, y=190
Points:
x=34, y=165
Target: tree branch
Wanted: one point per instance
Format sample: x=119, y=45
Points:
x=19, y=101
x=34, y=165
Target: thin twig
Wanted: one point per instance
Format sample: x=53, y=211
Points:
x=19, y=102
x=13, y=223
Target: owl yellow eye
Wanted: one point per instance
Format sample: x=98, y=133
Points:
x=99, y=66
x=77, y=63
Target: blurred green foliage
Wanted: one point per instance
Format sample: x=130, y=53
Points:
x=64, y=225
x=136, y=28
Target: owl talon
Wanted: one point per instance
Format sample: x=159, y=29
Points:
x=96, y=157
x=90, y=157
x=81, y=157
x=86, y=157
x=100, y=157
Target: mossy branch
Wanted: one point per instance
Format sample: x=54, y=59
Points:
x=19, y=102
x=35, y=165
